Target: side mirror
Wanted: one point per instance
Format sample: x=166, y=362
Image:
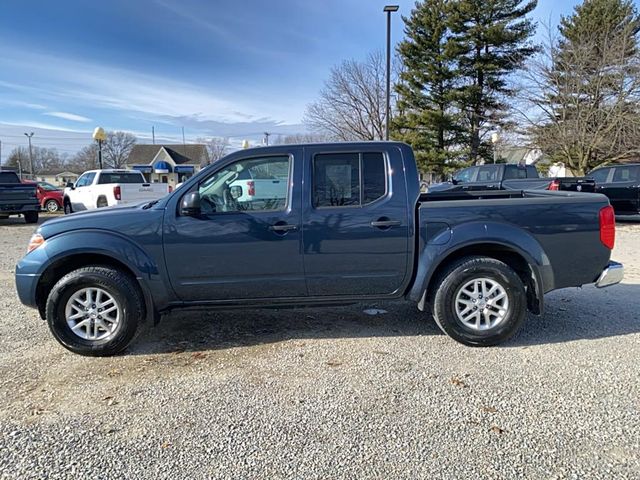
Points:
x=190, y=204
x=71, y=185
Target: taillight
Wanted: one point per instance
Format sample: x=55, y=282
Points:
x=608, y=227
x=117, y=193
x=555, y=185
x=251, y=187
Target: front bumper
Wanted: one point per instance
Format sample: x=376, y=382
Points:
x=614, y=273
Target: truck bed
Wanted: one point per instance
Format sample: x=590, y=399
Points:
x=563, y=224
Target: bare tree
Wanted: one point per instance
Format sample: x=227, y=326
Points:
x=44, y=159
x=85, y=159
x=117, y=147
x=581, y=100
x=217, y=147
x=352, y=102
x=300, y=138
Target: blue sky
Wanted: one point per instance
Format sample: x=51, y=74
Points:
x=217, y=68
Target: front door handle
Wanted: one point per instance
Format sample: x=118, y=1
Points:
x=282, y=227
x=385, y=223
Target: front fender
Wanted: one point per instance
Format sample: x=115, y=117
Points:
x=70, y=244
x=483, y=234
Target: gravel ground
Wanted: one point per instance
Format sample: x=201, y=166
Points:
x=330, y=393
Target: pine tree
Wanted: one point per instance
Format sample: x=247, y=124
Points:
x=491, y=39
x=589, y=86
x=425, y=118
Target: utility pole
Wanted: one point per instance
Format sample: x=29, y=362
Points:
x=266, y=138
x=29, y=135
x=153, y=134
x=389, y=9
x=184, y=144
x=0, y=155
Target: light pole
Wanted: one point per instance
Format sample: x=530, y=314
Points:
x=389, y=9
x=99, y=136
x=29, y=135
x=495, y=138
x=266, y=138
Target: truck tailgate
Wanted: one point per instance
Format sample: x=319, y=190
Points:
x=13, y=196
x=144, y=192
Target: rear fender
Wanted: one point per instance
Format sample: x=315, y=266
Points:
x=492, y=240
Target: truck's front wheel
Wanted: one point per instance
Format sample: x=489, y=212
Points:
x=479, y=301
x=95, y=310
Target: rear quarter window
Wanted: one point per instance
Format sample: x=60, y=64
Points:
x=9, y=177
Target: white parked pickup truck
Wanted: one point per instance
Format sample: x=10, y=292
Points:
x=105, y=188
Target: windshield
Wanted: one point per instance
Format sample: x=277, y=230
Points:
x=47, y=186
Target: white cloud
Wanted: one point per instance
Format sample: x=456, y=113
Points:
x=68, y=116
x=85, y=84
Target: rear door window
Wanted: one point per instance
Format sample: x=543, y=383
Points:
x=349, y=179
x=625, y=174
x=514, y=172
x=9, y=177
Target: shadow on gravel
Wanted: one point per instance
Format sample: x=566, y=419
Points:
x=586, y=314
x=197, y=330
x=570, y=315
x=19, y=221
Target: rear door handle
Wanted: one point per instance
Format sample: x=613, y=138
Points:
x=282, y=227
x=382, y=223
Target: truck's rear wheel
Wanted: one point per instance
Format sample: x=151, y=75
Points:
x=479, y=301
x=102, y=202
x=95, y=310
x=31, y=217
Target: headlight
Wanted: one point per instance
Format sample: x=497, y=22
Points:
x=35, y=242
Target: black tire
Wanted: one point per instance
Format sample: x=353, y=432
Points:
x=102, y=202
x=51, y=206
x=455, y=277
x=120, y=285
x=67, y=207
x=31, y=217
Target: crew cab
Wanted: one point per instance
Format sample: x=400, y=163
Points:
x=501, y=176
x=348, y=225
x=17, y=198
x=621, y=183
x=109, y=187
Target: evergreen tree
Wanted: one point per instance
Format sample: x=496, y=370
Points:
x=589, y=87
x=425, y=118
x=490, y=40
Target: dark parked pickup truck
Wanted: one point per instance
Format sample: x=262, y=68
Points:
x=510, y=177
x=347, y=225
x=621, y=183
x=17, y=198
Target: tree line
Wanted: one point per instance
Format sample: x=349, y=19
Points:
x=468, y=68
x=115, y=152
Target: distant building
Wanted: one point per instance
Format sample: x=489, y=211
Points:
x=170, y=164
x=57, y=178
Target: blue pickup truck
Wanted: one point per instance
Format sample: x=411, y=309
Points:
x=341, y=223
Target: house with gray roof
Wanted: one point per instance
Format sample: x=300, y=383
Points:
x=168, y=163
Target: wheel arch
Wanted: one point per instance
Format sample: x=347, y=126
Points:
x=67, y=252
x=526, y=267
